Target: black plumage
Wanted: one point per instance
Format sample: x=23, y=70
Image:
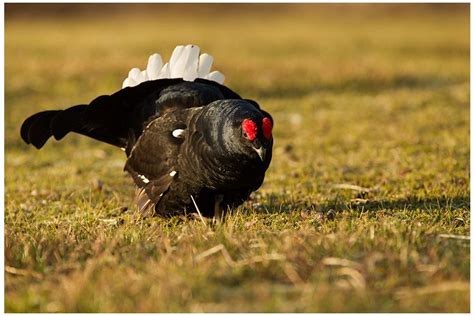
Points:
x=188, y=143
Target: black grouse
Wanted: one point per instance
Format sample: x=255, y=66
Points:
x=192, y=143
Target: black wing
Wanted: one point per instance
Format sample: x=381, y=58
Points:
x=111, y=118
x=153, y=161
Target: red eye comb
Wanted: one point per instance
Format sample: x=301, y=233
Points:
x=250, y=128
x=267, y=127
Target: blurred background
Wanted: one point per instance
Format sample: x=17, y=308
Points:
x=374, y=96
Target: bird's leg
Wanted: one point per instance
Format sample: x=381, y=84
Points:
x=218, y=212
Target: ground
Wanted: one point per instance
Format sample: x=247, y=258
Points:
x=365, y=207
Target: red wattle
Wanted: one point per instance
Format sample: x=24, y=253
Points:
x=267, y=127
x=250, y=128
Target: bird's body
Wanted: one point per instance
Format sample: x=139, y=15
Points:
x=191, y=145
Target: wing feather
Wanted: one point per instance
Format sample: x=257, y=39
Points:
x=109, y=118
x=153, y=161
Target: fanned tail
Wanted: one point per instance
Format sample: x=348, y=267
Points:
x=185, y=63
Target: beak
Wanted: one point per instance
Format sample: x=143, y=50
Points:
x=261, y=152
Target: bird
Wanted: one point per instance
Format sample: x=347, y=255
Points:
x=192, y=144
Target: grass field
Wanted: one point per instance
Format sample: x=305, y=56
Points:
x=365, y=207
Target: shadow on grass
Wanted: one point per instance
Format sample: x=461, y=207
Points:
x=411, y=204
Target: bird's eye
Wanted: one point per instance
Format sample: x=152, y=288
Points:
x=267, y=127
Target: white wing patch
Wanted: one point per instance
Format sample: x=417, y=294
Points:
x=185, y=62
x=178, y=133
x=144, y=179
x=172, y=173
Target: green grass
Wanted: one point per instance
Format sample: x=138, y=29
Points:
x=372, y=96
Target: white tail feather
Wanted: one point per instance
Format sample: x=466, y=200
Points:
x=215, y=76
x=134, y=74
x=185, y=63
x=153, y=67
x=190, y=71
x=205, y=64
x=175, y=56
x=165, y=72
x=128, y=83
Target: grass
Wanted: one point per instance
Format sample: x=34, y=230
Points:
x=365, y=207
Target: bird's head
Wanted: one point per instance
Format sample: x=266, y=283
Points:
x=244, y=130
x=257, y=134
